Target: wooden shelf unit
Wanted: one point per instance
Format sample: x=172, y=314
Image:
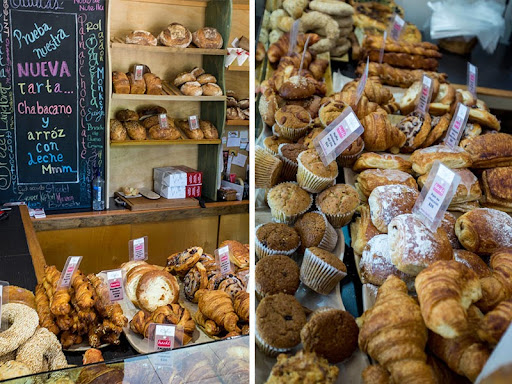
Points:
x=166, y=50
x=238, y=122
x=131, y=143
x=158, y=98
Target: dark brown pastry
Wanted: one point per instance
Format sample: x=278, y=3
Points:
x=150, y=110
x=127, y=115
x=120, y=82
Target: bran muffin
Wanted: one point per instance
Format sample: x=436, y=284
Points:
x=293, y=121
x=288, y=201
x=331, y=334
x=274, y=239
x=279, y=320
x=276, y=274
x=312, y=174
x=315, y=231
x=338, y=203
x=321, y=270
x=268, y=168
x=288, y=154
x=303, y=368
x=271, y=143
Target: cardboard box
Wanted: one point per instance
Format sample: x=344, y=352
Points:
x=177, y=176
x=177, y=192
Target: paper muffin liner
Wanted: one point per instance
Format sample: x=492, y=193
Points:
x=264, y=251
x=268, y=169
x=311, y=182
x=330, y=238
x=268, y=349
x=289, y=171
x=292, y=133
x=319, y=275
x=348, y=161
x=282, y=217
x=339, y=220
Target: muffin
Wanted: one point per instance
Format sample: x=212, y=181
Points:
x=271, y=143
x=304, y=367
x=293, y=121
x=330, y=111
x=308, y=139
x=288, y=201
x=279, y=320
x=312, y=174
x=321, y=270
x=315, y=231
x=288, y=154
x=338, y=203
x=276, y=274
x=331, y=334
x=276, y=239
x=348, y=157
x=268, y=169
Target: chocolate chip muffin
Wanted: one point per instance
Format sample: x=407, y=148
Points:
x=338, y=203
x=271, y=143
x=321, y=270
x=308, y=139
x=348, y=157
x=315, y=231
x=304, y=367
x=312, y=174
x=279, y=320
x=288, y=153
x=293, y=121
x=276, y=238
x=288, y=201
x=276, y=274
x=330, y=111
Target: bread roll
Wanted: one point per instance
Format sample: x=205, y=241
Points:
x=132, y=280
x=195, y=134
x=209, y=130
x=150, y=110
x=151, y=121
x=211, y=89
x=207, y=37
x=196, y=72
x=192, y=88
x=158, y=133
x=175, y=35
x=370, y=179
x=137, y=87
x=206, y=78
x=20, y=295
x=184, y=77
x=140, y=38
x=117, y=131
x=120, y=83
x=127, y=115
x=135, y=130
x=153, y=84
x=156, y=289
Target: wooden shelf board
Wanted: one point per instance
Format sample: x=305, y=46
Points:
x=121, y=96
x=238, y=68
x=237, y=122
x=131, y=143
x=162, y=49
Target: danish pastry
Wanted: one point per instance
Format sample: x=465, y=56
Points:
x=423, y=159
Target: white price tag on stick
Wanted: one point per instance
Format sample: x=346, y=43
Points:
x=4, y=299
x=138, y=248
x=165, y=336
x=396, y=27
x=115, y=285
x=425, y=95
x=162, y=119
x=337, y=136
x=139, y=72
x=472, y=78
x=381, y=53
x=193, y=122
x=222, y=260
x=293, y=36
x=457, y=126
x=362, y=82
x=72, y=264
x=436, y=195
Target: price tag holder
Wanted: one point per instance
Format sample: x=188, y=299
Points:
x=4, y=299
x=293, y=36
x=115, y=284
x=436, y=195
x=138, y=248
x=457, y=126
x=362, y=82
x=139, y=72
x=396, y=27
x=472, y=78
x=425, y=95
x=381, y=53
x=165, y=336
x=162, y=120
x=193, y=122
x=338, y=135
x=72, y=264
x=222, y=260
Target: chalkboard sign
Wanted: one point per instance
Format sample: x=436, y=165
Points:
x=52, y=112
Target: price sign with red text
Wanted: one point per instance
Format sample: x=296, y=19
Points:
x=165, y=336
x=139, y=72
x=138, y=248
x=472, y=78
x=72, y=264
x=222, y=260
x=425, y=95
x=162, y=119
x=396, y=28
x=457, y=126
x=115, y=285
x=193, y=122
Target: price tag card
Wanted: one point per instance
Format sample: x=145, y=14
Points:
x=425, y=95
x=293, y=36
x=193, y=122
x=115, y=284
x=457, y=125
x=162, y=119
x=138, y=248
x=165, y=336
x=4, y=299
x=222, y=260
x=338, y=135
x=139, y=72
x=472, y=78
x=396, y=27
x=381, y=53
x=436, y=195
x=362, y=82
x=72, y=264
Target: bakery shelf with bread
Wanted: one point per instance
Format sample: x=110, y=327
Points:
x=117, y=45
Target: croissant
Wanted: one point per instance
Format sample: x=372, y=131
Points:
x=362, y=229
x=380, y=135
x=445, y=290
x=103, y=305
x=217, y=305
x=59, y=302
x=466, y=354
x=280, y=47
x=84, y=292
x=373, y=90
x=46, y=318
x=496, y=322
x=498, y=286
x=241, y=305
x=393, y=333
x=399, y=77
x=208, y=326
x=376, y=374
x=139, y=320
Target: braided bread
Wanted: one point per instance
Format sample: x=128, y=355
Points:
x=375, y=42
x=399, y=77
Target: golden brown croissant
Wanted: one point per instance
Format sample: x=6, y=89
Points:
x=46, y=318
x=84, y=292
x=362, y=229
x=103, y=305
x=380, y=135
x=241, y=305
x=217, y=305
x=393, y=333
x=208, y=326
x=376, y=374
x=398, y=77
x=496, y=322
x=373, y=90
x=445, y=290
x=498, y=286
x=139, y=321
x=466, y=354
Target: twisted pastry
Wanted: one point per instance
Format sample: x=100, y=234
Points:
x=42, y=346
x=68, y=339
x=103, y=305
x=398, y=77
x=138, y=322
x=59, y=303
x=230, y=283
x=422, y=48
x=23, y=321
x=46, y=318
x=196, y=279
x=241, y=305
x=84, y=292
x=180, y=263
x=217, y=305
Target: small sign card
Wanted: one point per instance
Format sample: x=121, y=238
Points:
x=472, y=78
x=362, y=82
x=138, y=248
x=193, y=122
x=293, y=36
x=165, y=336
x=115, y=285
x=222, y=260
x=139, y=72
x=381, y=53
x=425, y=95
x=457, y=126
x=162, y=119
x=436, y=195
x=396, y=27
x=72, y=264
x=338, y=135
x=4, y=299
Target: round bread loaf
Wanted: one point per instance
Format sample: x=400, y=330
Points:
x=156, y=289
x=192, y=88
x=127, y=115
x=132, y=280
x=140, y=38
x=197, y=72
x=184, y=77
x=207, y=37
x=117, y=131
x=120, y=82
x=211, y=89
x=175, y=35
x=135, y=130
x=206, y=78
x=150, y=121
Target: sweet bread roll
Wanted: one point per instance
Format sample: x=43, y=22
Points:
x=117, y=131
x=297, y=87
x=140, y=38
x=472, y=261
x=175, y=35
x=489, y=150
x=371, y=160
x=211, y=89
x=485, y=118
x=153, y=84
x=133, y=278
x=191, y=88
x=388, y=201
x=156, y=289
x=370, y=179
x=467, y=190
x=127, y=115
x=423, y=159
x=184, y=77
x=362, y=229
x=416, y=129
x=448, y=224
x=207, y=37
x=209, y=130
x=440, y=125
x=135, y=130
x=414, y=247
x=120, y=83
x=137, y=87
x=497, y=184
x=484, y=230
x=206, y=78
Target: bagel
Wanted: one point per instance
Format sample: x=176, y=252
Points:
x=23, y=322
x=42, y=346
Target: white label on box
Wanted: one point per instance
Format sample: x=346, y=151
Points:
x=425, y=95
x=233, y=142
x=193, y=122
x=244, y=135
x=457, y=126
x=69, y=269
x=138, y=248
x=164, y=336
x=233, y=134
x=472, y=78
x=162, y=119
x=139, y=72
x=362, y=82
x=223, y=262
x=115, y=285
x=224, y=140
x=397, y=26
x=239, y=160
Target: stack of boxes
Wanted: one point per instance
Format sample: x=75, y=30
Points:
x=177, y=182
